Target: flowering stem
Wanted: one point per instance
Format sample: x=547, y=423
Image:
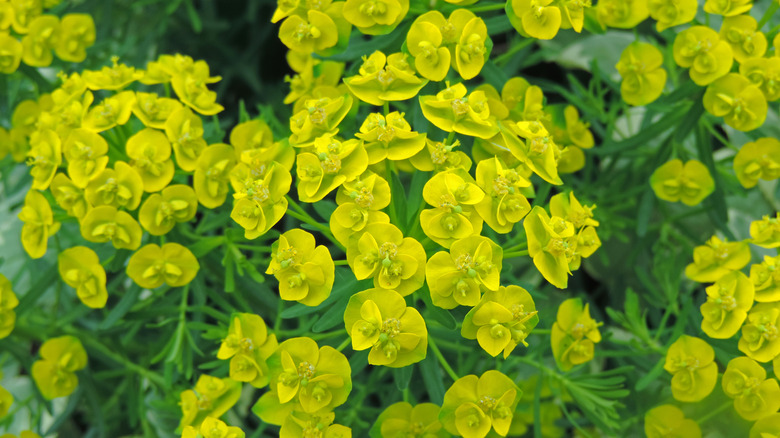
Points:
x=386, y=108
x=489, y=7
x=450, y=137
x=304, y=217
x=344, y=344
x=506, y=56
x=509, y=255
x=442, y=360
x=715, y=412
x=340, y=262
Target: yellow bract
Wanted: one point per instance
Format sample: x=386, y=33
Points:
x=403, y=419
x=717, y=258
x=742, y=33
x=728, y=301
x=622, y=14
x=162, y=211
x=552, y=243
x=643, y=77
x=385, y=78
x=694, y=373
x=76, y=35
x=472, y=51
x=359, y=203
x=318, y=117
x=767, y=426
x=305, y=272
x=459, y=277
x=669, y=13
x=172, y=264
x=8, y=303
x=6, y=400
x=537, y=18
x=741, y=103
x=85, y=152
x=152, y=110
x=184, y=130
x=55, y=372
x=80, y=269
x=120, y=187
x=389, y=137
x=759, y=339
x=728, y=8
x=501, y=320
x=330, y=164
x=756, y=160
x=426, y=43
x=111, y=78
x=668, y=421
x=212, y=428
x=574, y=334
x=248, y=345
x=454, y=195
x=766, y=279
x=504, y=204
x=44, y=157
x=106, y=223
x=150, y=155
x=39, y=224
x=754, y=395
x=701, y=49
x=452, y=111
x=110, y=112
x=10, y=54
x=766, y=232
x=765, y=74
x=689, y=183
x=211, y=397
x=260, y=201
x=212, y=174
x=473, y=406
x=375, y=17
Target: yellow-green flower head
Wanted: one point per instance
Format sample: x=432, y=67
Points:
x=85, y=152
x=569, y=208
x=112, y=111
x=505, y=204
x=426, y=43
x=6, y=400
x=573, y=14
x=668, y=421
x=756, y=160
x=760, y=340
x=184, y=130
x=314, y=32
x=754, y=395
x=765, y=74
x=385, y=78
x=166, y=66
x=438, y=156
x=742, y=33
x=260, y=203
x=389, y=137
x=212, y=428
x=37, y=45
x=450, y=28
x=162, y=211
x=375, y=17
x=717, y=258
x=552, y=242
x=69, y=117
x=44, y=157
x=38, y=225
x=622, y=14
x=451, y=110
x=536, y=18
x=741, y=103
x=502, y=319
x=153, y=110
x=644, y=78
x=120, y=187
x=694, y=373
x=253, y=134
x=473, y=406
x=150, y=155
x=10, y=54
x=304, y=82
x=25, y=433
x=172, y=264
x=23, y=12
x=574, y=334
x=6, y=15
x=248, y=345
x=305, y=272
x=318, y=117
x=728, y=8
x=193, y=92
x=701, y=49
x=330, y=164
x=359, y=203
x=670, y=13
x=212, y=174
x=379, y=319
x=538, y=151
x=728, y=301
x=767, y=427
x=766, y=279
x=55, y=372
x=689, y=183
x=211, y=397
x=25, y=117
x=106, y=223
x=404, y=420
x=472, y=49
x=766, y=232
x=116, y=77
x=77, y=34
x=8, y=303
x=454, y=195
x=458, y=278
x=302, y=424
x=80, y=269
x=306, y=378
x=72, y=89
x=394, y=262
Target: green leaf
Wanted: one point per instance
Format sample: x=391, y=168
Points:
x=120, y=310
x=324, y=208
x=432, y=378
x=651, y=376
x=197, y=25
x=645, y=212
x=206, y=245
x=403, y=376
x=332, y=317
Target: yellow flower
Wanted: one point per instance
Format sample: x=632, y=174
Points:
x=670, y=13
x=152, y=110
x=536, y=18
x=330, y=164
x=44, y=157
x=403, y=419
x=756, y=160
x=551, y=243
x=120, y=187
x=459, y=277
x=501, y=320
x=573, y=14
x=472, y=49
x=742, y=33
x=668, y=421
x=768, y=426
x=622, y=14
x=728, y=301
x=150, y=156
x=385, y=78
x=379, y=319
x=184, y=130
x=741, y=103
x=211, y=397
x=302, y=424
x=375, y=17
x=765, y=74
x=701, y=49
x=55, y=373
x=766, y=232
x=42, y=38
x=8, y=303
x=80, y=269
x=537, y=151
x=754, y=395
x=105, y=223
x=212, y=428
x=313, y=32
x=248, y=345
x=162, y=211
x=644, y=78
x=212, y=174
x=766, y=279
x=305, y=272
x=574, y=334
x=425, y=42
x=694, y=373
x=717, y=258
x=473, y=406
x=438, y=156
x=116, y=77
x=172, y=264
x=454, y=195
x=304, y=377
x=260, y=203
x=191, y=89
x=6, y=400
x=359, y=203
x=760, y=340
x=452, y=111
x=318, y=117
x=505, y=204
x=729, y=8
x=689, y=183
x=389, y=137
x=76, y=36
x=38, y=225
x=254, y=134
x=112, y=111
x=86, y=154
x=10, y=54
x=382, y=252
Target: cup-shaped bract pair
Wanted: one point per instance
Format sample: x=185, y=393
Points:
x=39, y=224
x=701, y=49
x=552, y=243
x=474, y=406
x=691, y=361
x=540, y=19
x=384, y=78
x=741, y=103
x=112, y=111
x=454, y=195
x=766, y=232
x=389, y=137
x=359, y=203
x=160, y=212
x=260, y=202
x=212, y=428
x=305, y=272
x=8, y=303
x=763, y=73
x=716, y=258
x=106, y=223
x=172, y=264
x=757, y=160
x=80, y=269
x=120, y=187
x=688, y=183
x=72, y=198
x=728, y=301
x=670, y=13
x=403, y=419
x=760, y=340
x=452, y=110
x=55, y=372
x=667, y=421
x=538, y=150
x=574, y=334
x=154, y=110
x=504, y=204
x=44, y=157
x=644, y=78
x=622, y=14
x=210, y=398
x=318, y=117
x=330, y=164
x=375, y=17
x=150, y=155
x=728, y=9
x=212, y=175
x=754, y=395
x=184, y=129
x=766, y=279
x=248, y=345
x=301, y=424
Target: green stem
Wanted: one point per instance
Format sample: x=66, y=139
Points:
x=453, y=375
x=344, y=344
x=768, y=14
x=450, y=138
x=715, y=412
x=506, y=56
x=391, y=208
x=305, y=217
x=142, y=371
x=340, y=262
x=488, y=7
x=386, y=108
x=509, y=255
